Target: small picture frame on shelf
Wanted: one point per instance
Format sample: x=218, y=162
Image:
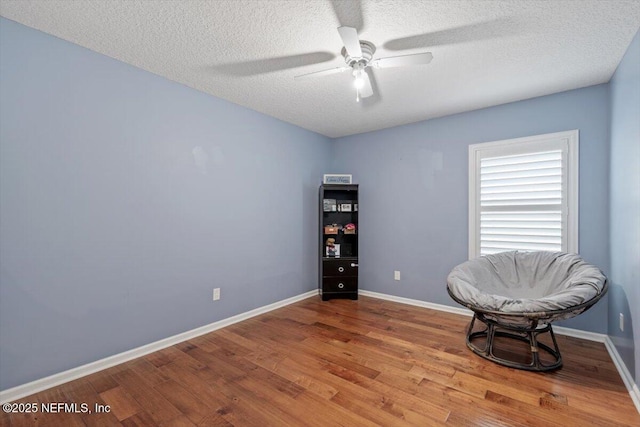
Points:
x=345, y=207
x=329, y=205
x=333, y=250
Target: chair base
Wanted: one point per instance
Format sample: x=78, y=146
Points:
x=527, y=333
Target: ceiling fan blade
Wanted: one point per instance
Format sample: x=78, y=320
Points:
x=322, y=73
x=351, y=41
x=366, y=90
x=487, y=30
x=269, y=65
x=349, y=13
x=401, y=61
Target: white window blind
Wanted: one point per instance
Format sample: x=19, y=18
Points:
x=520, y=195
x=521, y=202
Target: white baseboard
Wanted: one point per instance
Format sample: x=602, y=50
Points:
x=626, y=376
x=419, y=303
x=579, y=333
x=36, y=386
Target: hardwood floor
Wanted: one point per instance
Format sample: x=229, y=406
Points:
x=343, y=363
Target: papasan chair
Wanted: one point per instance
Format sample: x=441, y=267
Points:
x=516, y=295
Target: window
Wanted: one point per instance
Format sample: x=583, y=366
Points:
x=523, y=194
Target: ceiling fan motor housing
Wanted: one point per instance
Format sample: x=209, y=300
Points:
x=368, y=49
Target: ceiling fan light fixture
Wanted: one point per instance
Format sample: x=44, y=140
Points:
x=358, y=55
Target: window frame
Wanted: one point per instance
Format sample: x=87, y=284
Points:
x=568, y=142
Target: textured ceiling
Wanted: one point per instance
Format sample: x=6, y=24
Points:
x=248, y=51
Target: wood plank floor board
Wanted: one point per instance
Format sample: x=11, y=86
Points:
x=83, y=392
x=294, y=373
x=123, y=404
x=148, y=371
x=249, y=345
x=343, y=363
x=368, y=403
x=101, y=381
x=362, y=353
x=254, y=400
x=186, y=402
x=54, y=396
x=502, y=408
x=159, y=408
x=272, y=380
x=206, y=343
x=138, y=420
x=400, y=399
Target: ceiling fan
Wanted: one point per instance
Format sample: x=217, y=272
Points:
x=358, y=55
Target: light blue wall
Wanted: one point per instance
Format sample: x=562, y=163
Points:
x=625, y=208
x=126, y=198
x=414, y=190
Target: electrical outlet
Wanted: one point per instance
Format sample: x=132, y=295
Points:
x=216, y=294
x=621, y=322
x=396, y=275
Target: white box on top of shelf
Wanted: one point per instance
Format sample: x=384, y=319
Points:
x=337, y=179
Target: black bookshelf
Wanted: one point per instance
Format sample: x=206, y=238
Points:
x=338, y=268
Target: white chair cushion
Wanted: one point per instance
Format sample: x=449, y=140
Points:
x=526, y=282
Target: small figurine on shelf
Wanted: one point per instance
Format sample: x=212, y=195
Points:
x=333, y=249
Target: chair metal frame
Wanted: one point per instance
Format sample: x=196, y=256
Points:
x=523, y=327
